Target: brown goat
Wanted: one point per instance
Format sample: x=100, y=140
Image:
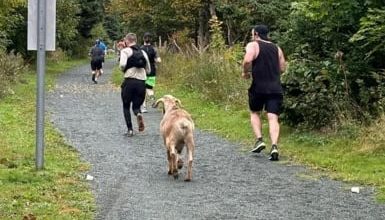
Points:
x=177, y=128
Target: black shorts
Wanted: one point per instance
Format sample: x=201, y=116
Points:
x=271, y=103
x=96, y=64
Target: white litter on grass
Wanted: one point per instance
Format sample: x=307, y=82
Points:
x=355, y=189
x=61, y=96
x=89, y=177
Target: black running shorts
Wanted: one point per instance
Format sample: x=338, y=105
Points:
x=96, y=64
x=271, y=103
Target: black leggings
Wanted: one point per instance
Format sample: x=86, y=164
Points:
x=133, y=91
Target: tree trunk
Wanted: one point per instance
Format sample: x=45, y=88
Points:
x=229, y=38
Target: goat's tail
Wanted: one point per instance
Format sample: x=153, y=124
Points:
x=186, y=126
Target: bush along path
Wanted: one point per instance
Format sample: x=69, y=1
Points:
x=130, y=179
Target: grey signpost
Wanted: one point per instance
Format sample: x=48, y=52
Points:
x=41, y=20
x=41, y=37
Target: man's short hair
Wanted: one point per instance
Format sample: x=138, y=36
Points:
x=147, y=34
x=262, y=31
x=131, y=37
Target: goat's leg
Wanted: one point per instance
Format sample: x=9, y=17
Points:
x=174, y=158
x=169, y=162
x=180, y=160
x=189, y=154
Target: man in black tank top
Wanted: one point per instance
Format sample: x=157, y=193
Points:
x=263, y=63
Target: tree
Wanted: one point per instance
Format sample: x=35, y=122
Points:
x=66, y=23
x=91, y=13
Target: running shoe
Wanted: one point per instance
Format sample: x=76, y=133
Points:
x=274, y=153
x=140, y=120
x=258, y=146
x=130, y=133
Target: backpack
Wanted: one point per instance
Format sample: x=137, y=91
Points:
x=136, y=60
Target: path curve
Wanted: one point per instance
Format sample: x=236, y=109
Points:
x=130, y=173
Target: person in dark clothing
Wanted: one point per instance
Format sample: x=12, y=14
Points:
x=154, y=58
x=97, y=56
x=135, y=65
x=266, y=62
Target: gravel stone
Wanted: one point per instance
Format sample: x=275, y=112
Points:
x=130, y=173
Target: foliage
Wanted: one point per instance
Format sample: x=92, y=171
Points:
x=371, y=35
x=113, y=26
x=217, y=40
x=328, y=81
x=57, y=56
x=66, y=24
x=159, y=17
x=98, y=32
x=240, y=16
x=212, y=74
x=325, y=26
x=91, y=13
x=372, y=139
x=309, y=101
x=12, y=66
x=10, y=18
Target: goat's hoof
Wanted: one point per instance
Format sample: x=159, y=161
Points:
x=169, y=173
x=187, y=180
x=176, y=175
x=180, y=164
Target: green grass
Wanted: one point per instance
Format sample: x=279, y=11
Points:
x=57, y=192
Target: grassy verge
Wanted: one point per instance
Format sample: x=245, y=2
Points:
x=57, y=192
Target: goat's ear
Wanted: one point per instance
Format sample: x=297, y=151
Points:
x=155, y=105
x=177, y=101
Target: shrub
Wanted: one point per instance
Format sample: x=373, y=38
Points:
x=12, y=66
x=215, y=75
x=57, y=56
x=325, y=94
x=314, y=95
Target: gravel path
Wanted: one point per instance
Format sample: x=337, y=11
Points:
x=131, y=181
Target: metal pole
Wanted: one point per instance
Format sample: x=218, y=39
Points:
x=41, y=35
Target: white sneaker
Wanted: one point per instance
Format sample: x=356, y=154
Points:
x=144, y=109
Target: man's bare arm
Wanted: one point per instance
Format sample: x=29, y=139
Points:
x=282, y=61
x=252, y=50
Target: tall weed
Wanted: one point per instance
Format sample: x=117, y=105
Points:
x=215, y=75
x=372, y=139
x=12, y=66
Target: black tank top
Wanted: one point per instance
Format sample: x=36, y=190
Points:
x=266, y=71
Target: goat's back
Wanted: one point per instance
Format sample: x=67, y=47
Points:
x=177, y=123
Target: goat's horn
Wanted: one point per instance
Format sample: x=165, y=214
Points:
x=155, y=105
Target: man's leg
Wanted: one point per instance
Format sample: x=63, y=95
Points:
x=273, y=108
x=256, y=124
x=93, y=69
x=137, y=101
x=126, y=99
x=274, y=135
x=273, y=128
